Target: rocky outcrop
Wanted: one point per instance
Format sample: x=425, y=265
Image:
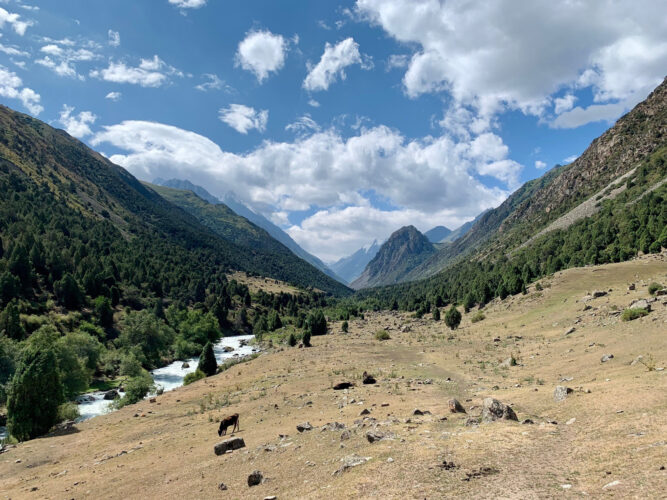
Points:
x=230, y=444
x=493, y=410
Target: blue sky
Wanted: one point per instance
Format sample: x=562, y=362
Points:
x=341, y=122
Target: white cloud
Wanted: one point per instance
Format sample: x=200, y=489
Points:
x=113, y=96
x=398, y=61
x=565, y=103
x=261, y=52
x=76, y=125
x=11, y=87
x=62, y=59
x=436, y=178
x=14, y=20
x=114, y=38
x=303, y=125
x=594, y=113
x=150, y=73
x=332, y=64
x=313, y=103
x=503, y=54
x=539, y=164
x=188, y=4
x=244, y=118
x=13, y=50
x=213, y=82
x=570, y=159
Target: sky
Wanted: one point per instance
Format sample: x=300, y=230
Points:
x=339, y=121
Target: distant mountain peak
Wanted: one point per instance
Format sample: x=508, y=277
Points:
x=437, y=234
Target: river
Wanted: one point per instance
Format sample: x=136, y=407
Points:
x=168, y=377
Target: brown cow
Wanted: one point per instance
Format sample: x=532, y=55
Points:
x=232, y=420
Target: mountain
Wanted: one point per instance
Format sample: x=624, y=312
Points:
x=350, y=268
x=437, y=234
x=461, y=230
x=606, y=206
x=93, y=218
x=233, y=202
x=404, y=250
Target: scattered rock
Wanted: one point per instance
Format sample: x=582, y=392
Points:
x=368, y=379
x=349, y=462
x=571, y=421
x=455, y=406
x=527, y=421
x=345, y=435
x=638, y=359
x=631, y=287
x=606, y=357
x=471, y=421
x=333, y=426
x=561, y=392
x=598, y=293
x=365, y=411
x=611, y=485
x=448, y=465
x=184, y=366
x=304, y=427
x=342, y=385
x=495, y=410
x=228, y=445
x=111, y=395
x=417, y=411
x=272, y=497
x=390, y=460
x=570, y=330
x=640, y=304
x=222, y=487
x=374, y=436
x=481, y=472
x=255, y=478
x=660, y=293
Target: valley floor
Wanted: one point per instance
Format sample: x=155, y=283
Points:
x=607, y=438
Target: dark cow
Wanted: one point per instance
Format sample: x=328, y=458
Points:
x=232, y=420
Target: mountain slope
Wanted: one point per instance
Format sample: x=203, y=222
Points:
x=405, y=249
x=350, y=268
x=232, y=202
x=437, y=234
x=168, y=241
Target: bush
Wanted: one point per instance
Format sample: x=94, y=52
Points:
x=306, y=339
x=68, y=411
x=345, y=326
x=654, y=287
x=634, y=313
x=291, y=340
x=193, y=377
x=436, y=314
x=207, y=362
x=453, y=318
x=478, y=316
x=316, y=323
x=136, y=389
x=382, y=335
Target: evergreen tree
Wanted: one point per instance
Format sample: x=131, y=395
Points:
x=10, y=322
x=291, y=340
x=274, y=321
x=316, y=323
x=345, y=326
x=34, y=394
x=104, y=312
x=453, y=317
x=306, y=339
x=9, y=287
x=68, y=292
x=207, y=362
x=468, y=302
x=436, y=314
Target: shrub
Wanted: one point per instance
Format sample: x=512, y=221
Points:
x=306, y=339
x=193, y=377
x=382, y=335
x=436, y=314
x=136, y=389
x=207, y=362
x=345, y=326
x=291, y=340
x=316, y=323
x=634, y=313
x=654, y=287
x=453, y=318
x=478, y=316
x=68, y=411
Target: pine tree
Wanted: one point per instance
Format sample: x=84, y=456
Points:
x=306, y=339
x=436, y=314
x=10, y=322
x=207, y=362
x=104, y=312
x=34, y=394
x=291, y=340
x=453, y=317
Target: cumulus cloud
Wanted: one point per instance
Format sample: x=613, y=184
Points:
x=539, y=164
x=594, y=113
x=76, y=125
x=262, y=53
x=188, y=4
x=438, y=179
x=113, y=96
x=244, y=118
x=62, y=59
x=565, y=103
x=332, y=64
x=508, y=55
x=150, y=73
x=213, y=82
x=303, y=125
x=11, y=87
x=13, y=50
x=14, y=20
x=114, y=38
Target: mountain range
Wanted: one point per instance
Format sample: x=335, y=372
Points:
x=350, y=268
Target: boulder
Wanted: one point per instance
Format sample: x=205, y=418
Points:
x=185, y=365
x=570, y=330
x=333, y=426
x=228, y=348
x=304, y=427
x=368, y=379
x=493, y=410
x=598, y=293
x=606, y=357
x=111, y=395
x=349, y=462
x=255, y=478
x=365, y=411
x=228, y=445
x=640, y=304
x=660, y=293
x=374, y=436
x=342, y=385
x=561, y=392
x=455, y=406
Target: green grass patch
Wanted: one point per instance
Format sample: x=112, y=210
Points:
x=634, y=313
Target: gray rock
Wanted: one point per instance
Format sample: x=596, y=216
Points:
x=111, y=395
x=570, y=330
x=455, y=406
x=333, y=426
x=417, y=411
x=606, y=357
x=349, y=462
x=561, y=392
x=374, y=436
x=493, y=410
x=304, y=427
x=640, y=304
x=345, y=435
x=229, y=444
x=598, y=293
x=185, y=365
x=222, y=487
x=255, y=478
x=365, y=411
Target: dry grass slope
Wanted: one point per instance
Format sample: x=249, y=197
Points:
x=608, y=437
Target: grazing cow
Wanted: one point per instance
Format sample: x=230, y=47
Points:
x=232, y=420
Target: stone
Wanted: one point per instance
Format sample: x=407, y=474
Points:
x=345, y=435
x=661, y=293
x=640, y=304
x=255, y=478
x=638, y=359
x=222, y=487
x=342, y=385
x=571, y=421
x=606, y=357
x=631, y=287
x=229, y=445
x=304, y=427
x=611, y=485
x=374, y=436
x=111, y=395
x=527, y=421
x=349, y=462
x=598, y=293
x=455, y=406
x=333, y=426
x=493, y=410
x=507, y=363
x=471, y=421
x=272, y=497
x=561, y=392
x=185, y=365
x=365, y=411
x=570, y=330
x=417, y=411
x=368, y=379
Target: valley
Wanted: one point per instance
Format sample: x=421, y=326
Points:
x=606, y=438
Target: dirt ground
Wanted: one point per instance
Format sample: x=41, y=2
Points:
x=608, y=438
